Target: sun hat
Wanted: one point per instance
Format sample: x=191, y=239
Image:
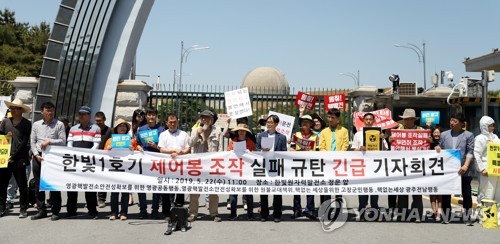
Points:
x=306, y=117
x=409, y=113
x=119, y=122
x=18, y=103
x=241, y=127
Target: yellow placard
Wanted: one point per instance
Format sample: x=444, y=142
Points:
x=493, y=159
x=372, y=138
x=5, y=142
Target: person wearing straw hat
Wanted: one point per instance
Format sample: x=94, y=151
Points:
x=19, y=129
x=409, y=118
x=243, y=133
x=121, y=127
x=306, y=135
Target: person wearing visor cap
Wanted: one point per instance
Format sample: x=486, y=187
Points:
x=83, y=135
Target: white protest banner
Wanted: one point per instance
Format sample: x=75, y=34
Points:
x=287, y=173
x=3, y=107
x=285, y=125
x=238, y=103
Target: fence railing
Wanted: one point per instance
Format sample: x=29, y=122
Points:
x=188, y=103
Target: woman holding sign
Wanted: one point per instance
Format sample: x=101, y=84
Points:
x=240, y=143
x=489, y=185
x=121, y=128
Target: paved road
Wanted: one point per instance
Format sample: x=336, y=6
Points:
x=84, y=230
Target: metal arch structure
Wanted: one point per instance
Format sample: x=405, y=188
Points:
x=91, y=48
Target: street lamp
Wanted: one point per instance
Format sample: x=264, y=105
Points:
x=421, y=56
x=353, y=76
x=184, y=55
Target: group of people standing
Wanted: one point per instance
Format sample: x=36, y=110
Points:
x=31, y=140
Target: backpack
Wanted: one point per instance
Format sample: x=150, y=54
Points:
x=179, y=220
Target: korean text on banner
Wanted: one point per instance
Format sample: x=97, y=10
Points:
x=148, y=135
x=410, y=140
x=305, y=100
x=285, y=125
x=383, y=118
x=288, y=173
x=238, y=103
x=120, y=141
x=429, y=117
x=334, y=101
x=5, y=142
x=493, y=157
x=371, y=138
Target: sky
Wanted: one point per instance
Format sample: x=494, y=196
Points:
x=311, y=42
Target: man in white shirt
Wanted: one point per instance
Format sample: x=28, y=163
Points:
x=174, y=142
x=357, y=145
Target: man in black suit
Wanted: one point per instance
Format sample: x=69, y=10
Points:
x=279, y=145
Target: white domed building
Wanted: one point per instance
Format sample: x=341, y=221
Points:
x=266, y=80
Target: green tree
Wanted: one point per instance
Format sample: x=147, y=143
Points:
x=21, y=47
x=8, y=73
x=494, y=93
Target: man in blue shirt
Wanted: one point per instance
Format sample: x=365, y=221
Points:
x=150, y=145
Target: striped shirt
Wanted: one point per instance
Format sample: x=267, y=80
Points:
x=88, y=137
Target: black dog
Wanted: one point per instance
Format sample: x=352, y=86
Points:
x=179, y=220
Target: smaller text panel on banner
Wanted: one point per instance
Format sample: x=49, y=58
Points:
x=334, y=101
x=238, y=103
x=410, y=140
x=288, y=173
x=305, y=100
x=5, y=142
x=493, y=157
x=285, y=125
